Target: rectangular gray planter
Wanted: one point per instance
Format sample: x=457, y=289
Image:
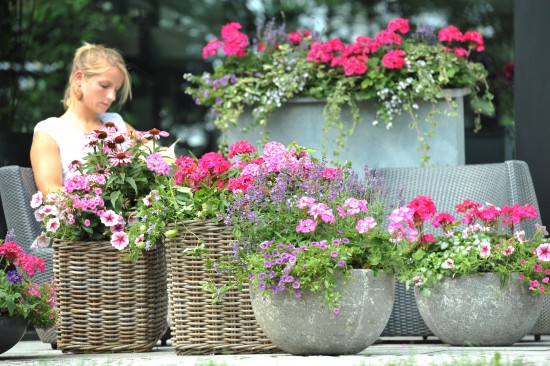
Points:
x=302, y=120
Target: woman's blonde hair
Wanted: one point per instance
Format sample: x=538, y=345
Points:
x=93, y=59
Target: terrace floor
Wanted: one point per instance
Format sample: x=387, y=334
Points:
x=407, y=351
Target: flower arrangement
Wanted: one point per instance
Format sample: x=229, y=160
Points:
x=198, y=189
x=19, y=295
x=395, y=70
x=99, y=199
x=490, y=242
x=300, y=224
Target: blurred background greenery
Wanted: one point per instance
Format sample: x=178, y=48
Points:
x=162, y=39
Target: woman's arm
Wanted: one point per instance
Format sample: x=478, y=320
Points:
x=46, y=163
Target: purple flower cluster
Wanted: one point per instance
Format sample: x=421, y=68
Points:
x=14, y=277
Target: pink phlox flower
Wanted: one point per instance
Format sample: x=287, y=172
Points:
x=366, y=224
x=240, y=147
x=305, y=202
x=119, y=240
x=317, y=209
x=354, y=206
x=341, y=211
x=306, y=226
x=327, y=216
x=332, y=173
x=545, y=279
x=537, y=268
x=157, y=164
x=401, y=225
x=543, y=252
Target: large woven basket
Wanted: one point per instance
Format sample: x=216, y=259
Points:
x=197, y=325
x=107, y=303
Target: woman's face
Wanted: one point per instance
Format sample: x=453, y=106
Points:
x=99, y=91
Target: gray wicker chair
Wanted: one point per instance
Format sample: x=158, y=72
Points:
x=16, y=189
x=500, y=184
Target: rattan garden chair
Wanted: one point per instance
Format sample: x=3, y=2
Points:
x=16, y=189
x=500, y=184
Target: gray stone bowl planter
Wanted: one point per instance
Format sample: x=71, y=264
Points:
x=474, y=310
x=305, y=326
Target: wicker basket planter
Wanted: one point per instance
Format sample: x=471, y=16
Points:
x=106, y=303
x=197, y=325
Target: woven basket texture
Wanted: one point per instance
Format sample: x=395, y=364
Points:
x=107, y=303
x=198, y=326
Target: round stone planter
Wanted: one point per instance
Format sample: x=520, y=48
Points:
x=12, y=329
x=474, y=310
x=302, y=120
x=305, y=326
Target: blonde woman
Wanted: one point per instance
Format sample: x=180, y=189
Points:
x=98, y=75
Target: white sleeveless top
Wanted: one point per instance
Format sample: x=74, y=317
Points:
x=71, y=140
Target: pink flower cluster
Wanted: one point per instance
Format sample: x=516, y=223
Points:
x=401, y=226
x=15, y=254
x=452, y=34
x=275, y=157
x=234, y=42
x=207, y=170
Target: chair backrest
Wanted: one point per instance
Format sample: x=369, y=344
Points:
x=16, y=189
x=500, y=184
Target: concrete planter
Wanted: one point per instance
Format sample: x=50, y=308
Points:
x=302, y=120
x=305, y=326
x=474, y=310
